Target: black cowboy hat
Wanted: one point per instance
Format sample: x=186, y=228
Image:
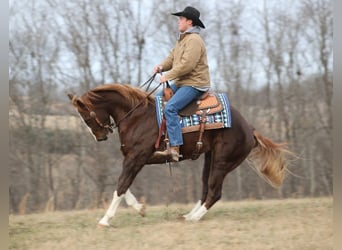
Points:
x=191, y=13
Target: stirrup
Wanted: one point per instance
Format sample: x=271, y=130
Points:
x=171, y=155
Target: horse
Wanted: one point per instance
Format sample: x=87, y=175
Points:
x=133, y=112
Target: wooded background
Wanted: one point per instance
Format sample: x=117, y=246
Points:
x=273, y=58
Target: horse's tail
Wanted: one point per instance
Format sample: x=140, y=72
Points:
x=269, y=159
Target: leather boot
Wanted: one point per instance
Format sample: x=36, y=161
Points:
x=174, y=153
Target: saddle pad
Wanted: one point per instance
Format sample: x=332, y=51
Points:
x=221, y=119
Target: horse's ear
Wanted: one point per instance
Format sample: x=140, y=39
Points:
x=75, y=100
x=79, y=103
x=71, y=96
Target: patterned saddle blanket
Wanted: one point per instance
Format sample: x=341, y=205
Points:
x=216, y=106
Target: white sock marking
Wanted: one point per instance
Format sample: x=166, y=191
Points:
x=199, y=213
x=112, y=209
x=85, y=124
x=132, y=201
x=190, y=214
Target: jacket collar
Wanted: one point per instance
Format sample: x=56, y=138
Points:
x=194, y=29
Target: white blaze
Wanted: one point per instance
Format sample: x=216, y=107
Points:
x=87, y=126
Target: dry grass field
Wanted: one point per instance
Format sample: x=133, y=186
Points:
x=303, y=224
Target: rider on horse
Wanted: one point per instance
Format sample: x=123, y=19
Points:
x=187, y=65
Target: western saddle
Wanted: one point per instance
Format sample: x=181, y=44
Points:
x=207, y=104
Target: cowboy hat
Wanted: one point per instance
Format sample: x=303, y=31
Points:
x=191, y=13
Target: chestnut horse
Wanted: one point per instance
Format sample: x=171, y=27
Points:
x=133, y=112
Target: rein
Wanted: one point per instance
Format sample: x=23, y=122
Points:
x=149, y=81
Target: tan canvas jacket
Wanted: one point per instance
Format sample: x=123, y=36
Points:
x=187, y=62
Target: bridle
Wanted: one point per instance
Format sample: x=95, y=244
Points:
x=109, y=127
x=92, y=115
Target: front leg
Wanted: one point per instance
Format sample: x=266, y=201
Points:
x=132, y=201
x=131, y=167
x=129, y=172
x=111, y=210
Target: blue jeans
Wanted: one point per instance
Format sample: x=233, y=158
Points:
x=181, y=98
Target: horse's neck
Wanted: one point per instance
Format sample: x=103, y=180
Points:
x=118, y=106
x=122, y=109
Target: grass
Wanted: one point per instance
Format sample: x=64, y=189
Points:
x=272, y=224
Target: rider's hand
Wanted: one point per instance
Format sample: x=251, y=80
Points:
x=157, y=69
x=162, y=79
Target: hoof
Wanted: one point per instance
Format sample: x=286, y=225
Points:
x=101, y=226
x=142, y=211
x=180, y=218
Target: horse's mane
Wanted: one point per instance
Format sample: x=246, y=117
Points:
x=132, y=94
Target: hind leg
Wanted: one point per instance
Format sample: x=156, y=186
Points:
x=218, y=172
x=205, y=178
x=214, y=194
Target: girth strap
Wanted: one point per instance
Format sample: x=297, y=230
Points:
x=162, y=130
x=199, y=144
